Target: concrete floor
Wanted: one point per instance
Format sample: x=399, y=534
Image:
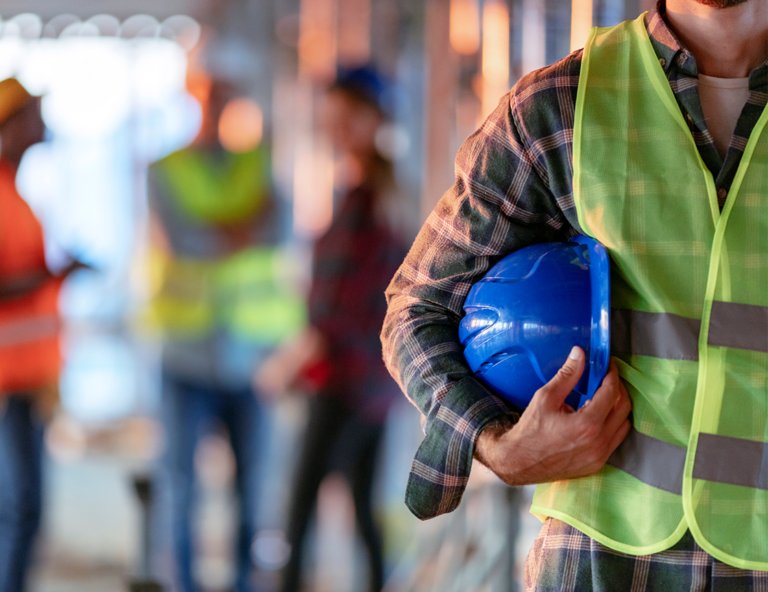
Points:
x=89, y=541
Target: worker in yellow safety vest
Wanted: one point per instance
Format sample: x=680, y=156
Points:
x=652, y=140
x=223, y=301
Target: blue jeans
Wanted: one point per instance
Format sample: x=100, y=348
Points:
x=21, y=454
x=189, y=410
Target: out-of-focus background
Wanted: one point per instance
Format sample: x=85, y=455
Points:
x=118, y=80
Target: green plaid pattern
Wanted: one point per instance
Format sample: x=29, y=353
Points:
x=563, y=559
x=513, y=188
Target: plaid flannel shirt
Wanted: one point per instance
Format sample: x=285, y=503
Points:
x=565, y=560
x=351, y=264
x=513, y=188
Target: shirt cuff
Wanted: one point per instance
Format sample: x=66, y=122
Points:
x=441, y=468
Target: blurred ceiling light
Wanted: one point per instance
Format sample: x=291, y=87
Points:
x=90, y=85
x=26, y=26
x=241, y=125
x=139, y=25
x=80, y=30
x=159, y=70
x=108, y=25
x=57, y=24
x=354, y=32
x=581, y=22
x=495, y=66
x=465, y=26
x=186, y=28
x=317, y=39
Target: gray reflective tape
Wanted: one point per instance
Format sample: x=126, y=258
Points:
x=742, y=326
x=650, y=460
x=26, y=330
x=658, y=334
x=734, y=461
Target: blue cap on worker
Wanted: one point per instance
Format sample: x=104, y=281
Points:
x=524, y=317
x=368, y=84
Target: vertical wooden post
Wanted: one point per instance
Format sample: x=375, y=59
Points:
x=354, y=32
x=534, y=35
x=495, y=63
x=439, y=106
x=581, y=21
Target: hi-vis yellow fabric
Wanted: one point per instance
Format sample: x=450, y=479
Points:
x=683, y=274
x=244, y=293
x=218, y=189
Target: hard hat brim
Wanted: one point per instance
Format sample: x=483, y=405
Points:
x=600, y=334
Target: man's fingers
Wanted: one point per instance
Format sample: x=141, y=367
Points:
x=557, y=389
x=605, y=397
x=619, y=436
x=619, y=412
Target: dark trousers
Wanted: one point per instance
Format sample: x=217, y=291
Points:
x=21, y=453
x=335, y=431
x=188, y=411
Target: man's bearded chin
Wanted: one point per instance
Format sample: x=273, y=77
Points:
x=721, y=3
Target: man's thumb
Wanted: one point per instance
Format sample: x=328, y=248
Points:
x=566, y=379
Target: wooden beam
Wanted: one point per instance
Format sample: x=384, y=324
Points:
x=439, y=106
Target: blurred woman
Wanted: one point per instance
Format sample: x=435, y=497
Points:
x=339, y=356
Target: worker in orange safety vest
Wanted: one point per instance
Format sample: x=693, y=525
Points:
x=29, y=340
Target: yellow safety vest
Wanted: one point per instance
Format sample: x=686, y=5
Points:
x=690, y=318
x=245, y=293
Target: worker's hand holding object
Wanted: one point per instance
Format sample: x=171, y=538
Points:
x=552, y=441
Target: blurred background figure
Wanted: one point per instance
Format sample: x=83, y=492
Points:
x=117, y=79
x=222, y=305
x=29, y=341
x=338, y=358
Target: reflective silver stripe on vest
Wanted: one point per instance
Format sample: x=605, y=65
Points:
x=650, y=460
x=27, y=330
x=742, y=326
x=657, y=334
x=734, y=461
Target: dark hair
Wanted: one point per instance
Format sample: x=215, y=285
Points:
x=365, y=84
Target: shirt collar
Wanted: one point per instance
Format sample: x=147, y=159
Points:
x=673, y=56
x=670, y=51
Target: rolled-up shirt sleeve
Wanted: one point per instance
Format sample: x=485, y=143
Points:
x=512, y=188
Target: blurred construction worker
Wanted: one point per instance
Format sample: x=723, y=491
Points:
x=29, y=340
x=222, y=306
x=339, y=356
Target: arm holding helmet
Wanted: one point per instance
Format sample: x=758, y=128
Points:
x=552, y=441
x=513, y=188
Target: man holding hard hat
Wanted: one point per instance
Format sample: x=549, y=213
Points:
x=651, y=140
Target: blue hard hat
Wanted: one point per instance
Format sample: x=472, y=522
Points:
x=530, y=309
x=368, y=84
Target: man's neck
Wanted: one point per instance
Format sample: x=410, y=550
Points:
x=726, y=42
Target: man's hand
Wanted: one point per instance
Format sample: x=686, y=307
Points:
x=281, y=371
x=552, y=441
